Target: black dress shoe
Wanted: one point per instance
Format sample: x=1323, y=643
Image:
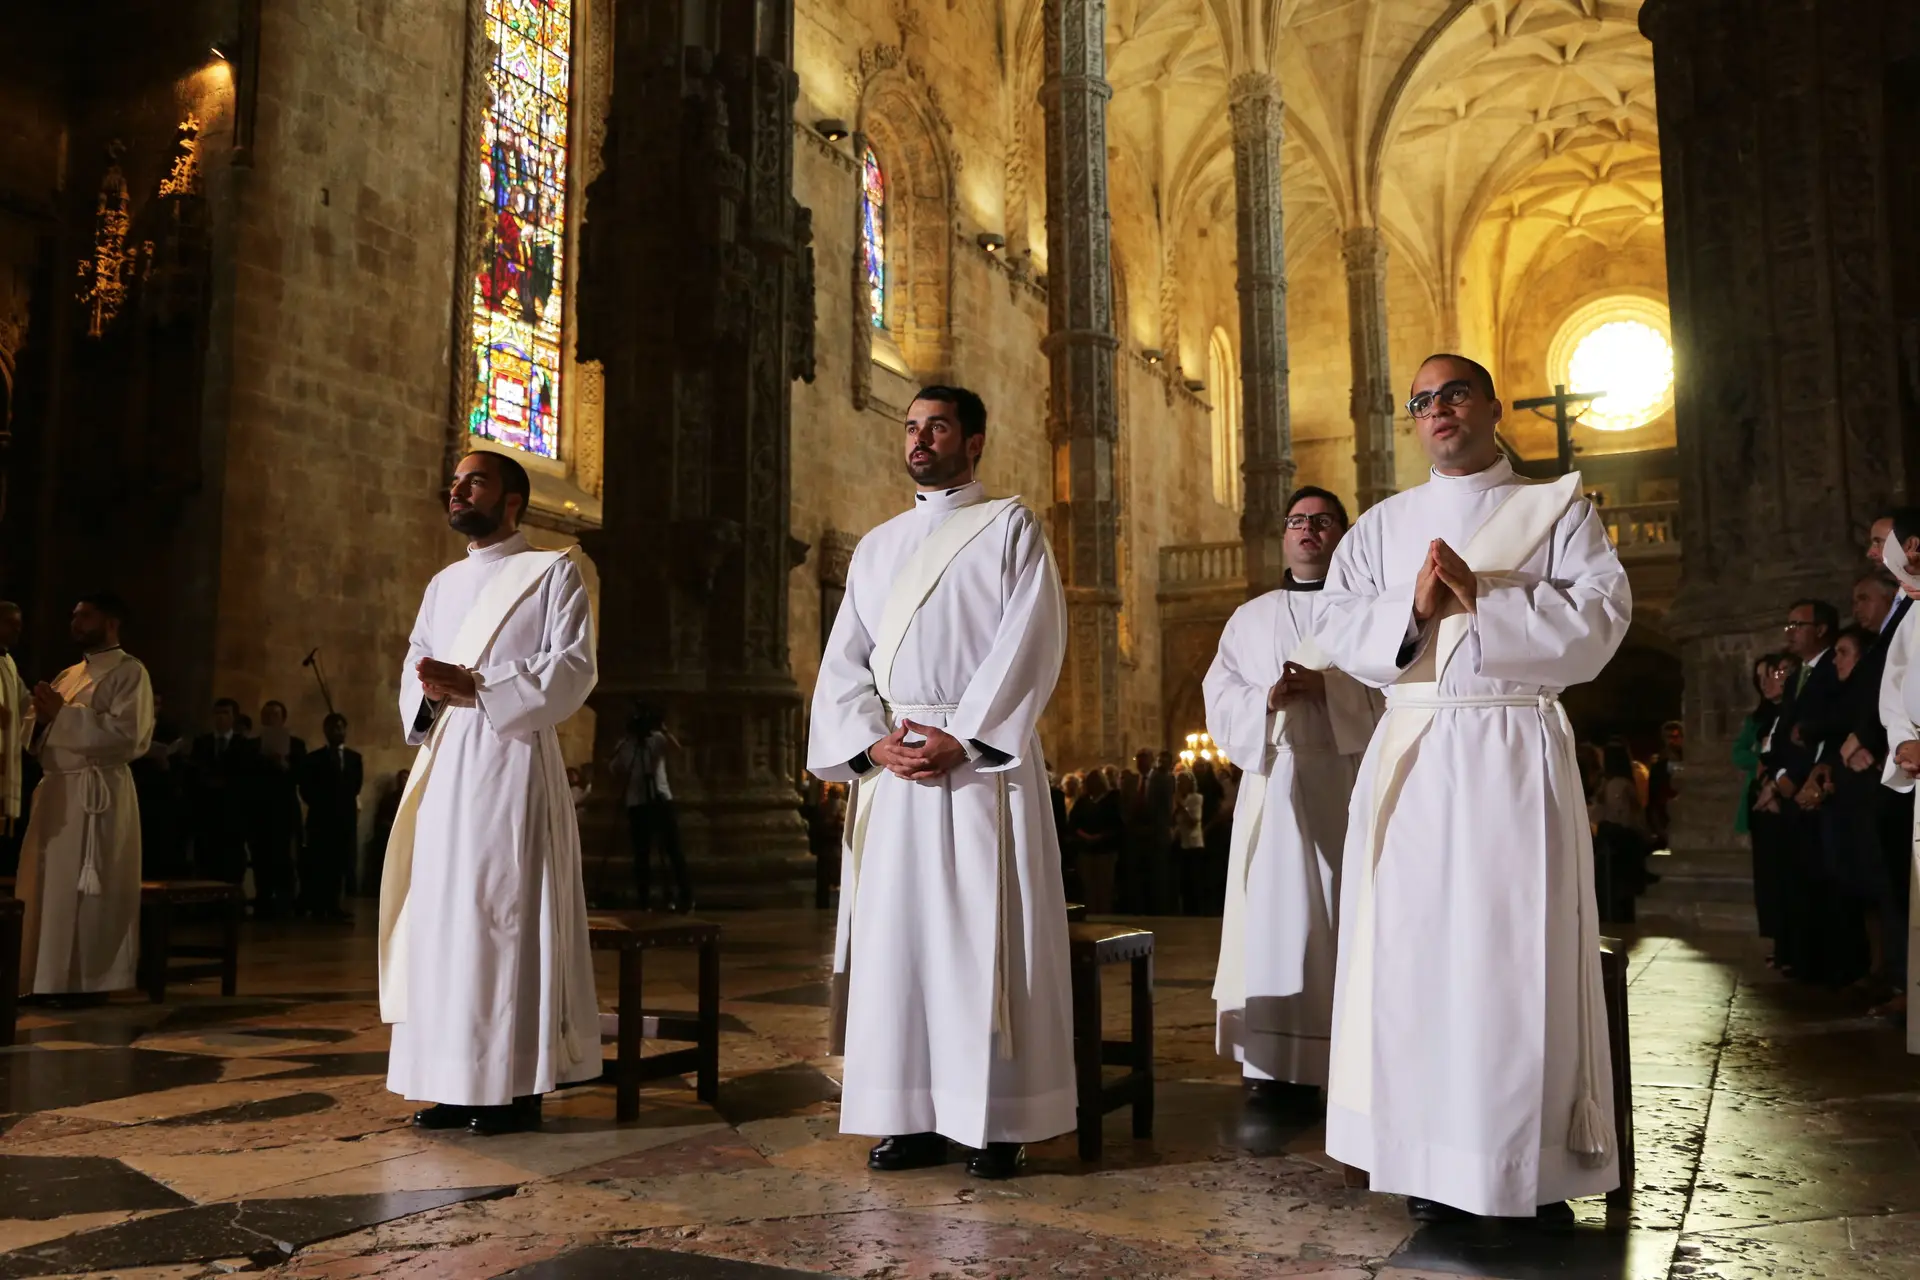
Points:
x=519, y=1116
x=442, y=1116
x=907, y=1151
x=1555, y=1216
x=1284, y=1095
x=996, y=1160
x=1433, y=1211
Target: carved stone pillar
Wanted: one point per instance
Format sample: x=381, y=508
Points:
x=700, y=308
x=1082, y=407
x=1372, y=403
x=1255, y=112
x=1779, y=178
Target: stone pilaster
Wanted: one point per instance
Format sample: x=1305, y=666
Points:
x=1790, y=424
x=1266, y=429
x=1372, y=403
x=700, y=308
x=1082, y=406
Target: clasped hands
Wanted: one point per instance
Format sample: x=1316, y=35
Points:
x=938, y=756
x=1296, y=682
x=1908, y=758
x=46, y=703
x=1444, y=572
x=444, y=682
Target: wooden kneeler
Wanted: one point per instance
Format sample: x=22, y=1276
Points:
x=1091, y=947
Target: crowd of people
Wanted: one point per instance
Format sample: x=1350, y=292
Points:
x=1147, y=840
x=245, y=801
x=1830, y=759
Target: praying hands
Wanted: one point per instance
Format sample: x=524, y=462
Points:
x=939, y=755
x=445, y=682
x=1444, y=572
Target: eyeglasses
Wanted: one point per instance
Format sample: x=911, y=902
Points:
x=1454, y=393
x=1318, y=523
x=1795, y=626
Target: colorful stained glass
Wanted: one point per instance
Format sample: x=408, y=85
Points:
x=518, y=294
x=873, y=236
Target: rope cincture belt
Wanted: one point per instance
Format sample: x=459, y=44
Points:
x=1003, y=840
x=95, y=799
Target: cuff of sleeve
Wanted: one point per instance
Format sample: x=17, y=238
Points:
x=497, y=693
x=862, y=765
x=980, y=753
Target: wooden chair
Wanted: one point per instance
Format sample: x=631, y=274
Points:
x=159, y=953
x=633, y=934
x=12, y=914
x=1076, y=913
x=1092, y=946
x=1613, y=984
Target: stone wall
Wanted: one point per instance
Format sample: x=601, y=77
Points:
x=341, y=333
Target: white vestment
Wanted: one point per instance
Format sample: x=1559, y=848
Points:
x=80, y=861
x=13, y=713
x=485, y=967
x=1274, y=986
x=953, y=930
x=1900, y=714
x=1470, y=1040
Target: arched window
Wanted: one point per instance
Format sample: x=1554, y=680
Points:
x=873, y=236
x=1223, y=380
x=518, y=294
x=1619, y=346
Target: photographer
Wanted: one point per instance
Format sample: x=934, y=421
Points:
x=641, y=758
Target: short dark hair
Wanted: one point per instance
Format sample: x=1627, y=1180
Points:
x=1861, y=637
x=109, y=603
x=333, y=718
x=969, y=408
x=1615, y=760
x=1315, y=491
x=513, y=476
x=273, y=702
x=1877, y=576
x=1824, y=614
x=228, y=703
x=1477, y=372
x=1906, y=523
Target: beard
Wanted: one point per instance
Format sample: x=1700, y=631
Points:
x=938, y=471
x=476, y=522
x=90, y=639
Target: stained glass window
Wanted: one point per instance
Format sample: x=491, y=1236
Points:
x=517, y=290
x=873, y=236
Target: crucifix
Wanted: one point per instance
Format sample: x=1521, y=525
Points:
x=1561, y=402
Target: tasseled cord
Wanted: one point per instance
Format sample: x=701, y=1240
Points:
x=1589, y=1136
x=95, y=797
x=1002, y=996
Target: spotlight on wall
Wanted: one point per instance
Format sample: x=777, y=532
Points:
x=1152, y=355
x=1195, y=385
x=991, y=241
x=832, y=130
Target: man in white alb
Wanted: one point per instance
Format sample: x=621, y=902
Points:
x=80, y=861
x=1297, y=728
x=951, y=964
x=13, y=716
x=1470, y=1067
x=485, y=971
x=1900, y=715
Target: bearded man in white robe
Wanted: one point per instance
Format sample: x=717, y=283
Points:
x=951, y=962
x=80, y=861
x=1297, y=727
x=1470, y=1067
x=485, y=967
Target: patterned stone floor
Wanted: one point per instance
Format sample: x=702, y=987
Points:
x=1779, y=1135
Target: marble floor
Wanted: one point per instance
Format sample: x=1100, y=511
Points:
x=1778, y=1134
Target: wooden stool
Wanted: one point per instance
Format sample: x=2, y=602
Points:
x=1613, y=983
x=1076, y=912
x=1091, y=946
x=158, y=951
x=12, y=913
x=632, y=934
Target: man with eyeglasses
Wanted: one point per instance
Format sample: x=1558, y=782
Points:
x=1469, y=1057
x=1298, y=728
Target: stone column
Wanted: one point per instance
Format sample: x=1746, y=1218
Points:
x=1082, y=405
x=700, y=309
x=1266, y=430
x=1792, y=431
x=1372, y=403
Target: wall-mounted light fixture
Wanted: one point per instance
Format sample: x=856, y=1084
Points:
x=1152, y=355
x=218, y=52
x=832, y=130
x=1195, y=385
x=991, y=241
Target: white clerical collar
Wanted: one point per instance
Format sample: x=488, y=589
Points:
x=508, y=546
x=1490, y=477
x=106, y=659
x=938, y=503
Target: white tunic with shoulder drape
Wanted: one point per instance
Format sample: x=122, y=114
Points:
x=1469, y=1027
x=80, y=861
x=486, y=972
x=1274, y=986
x=947, y=929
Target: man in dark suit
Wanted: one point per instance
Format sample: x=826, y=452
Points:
x=274, y=798
x=224, y=766
x=1823, y=943
x=330, y=779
